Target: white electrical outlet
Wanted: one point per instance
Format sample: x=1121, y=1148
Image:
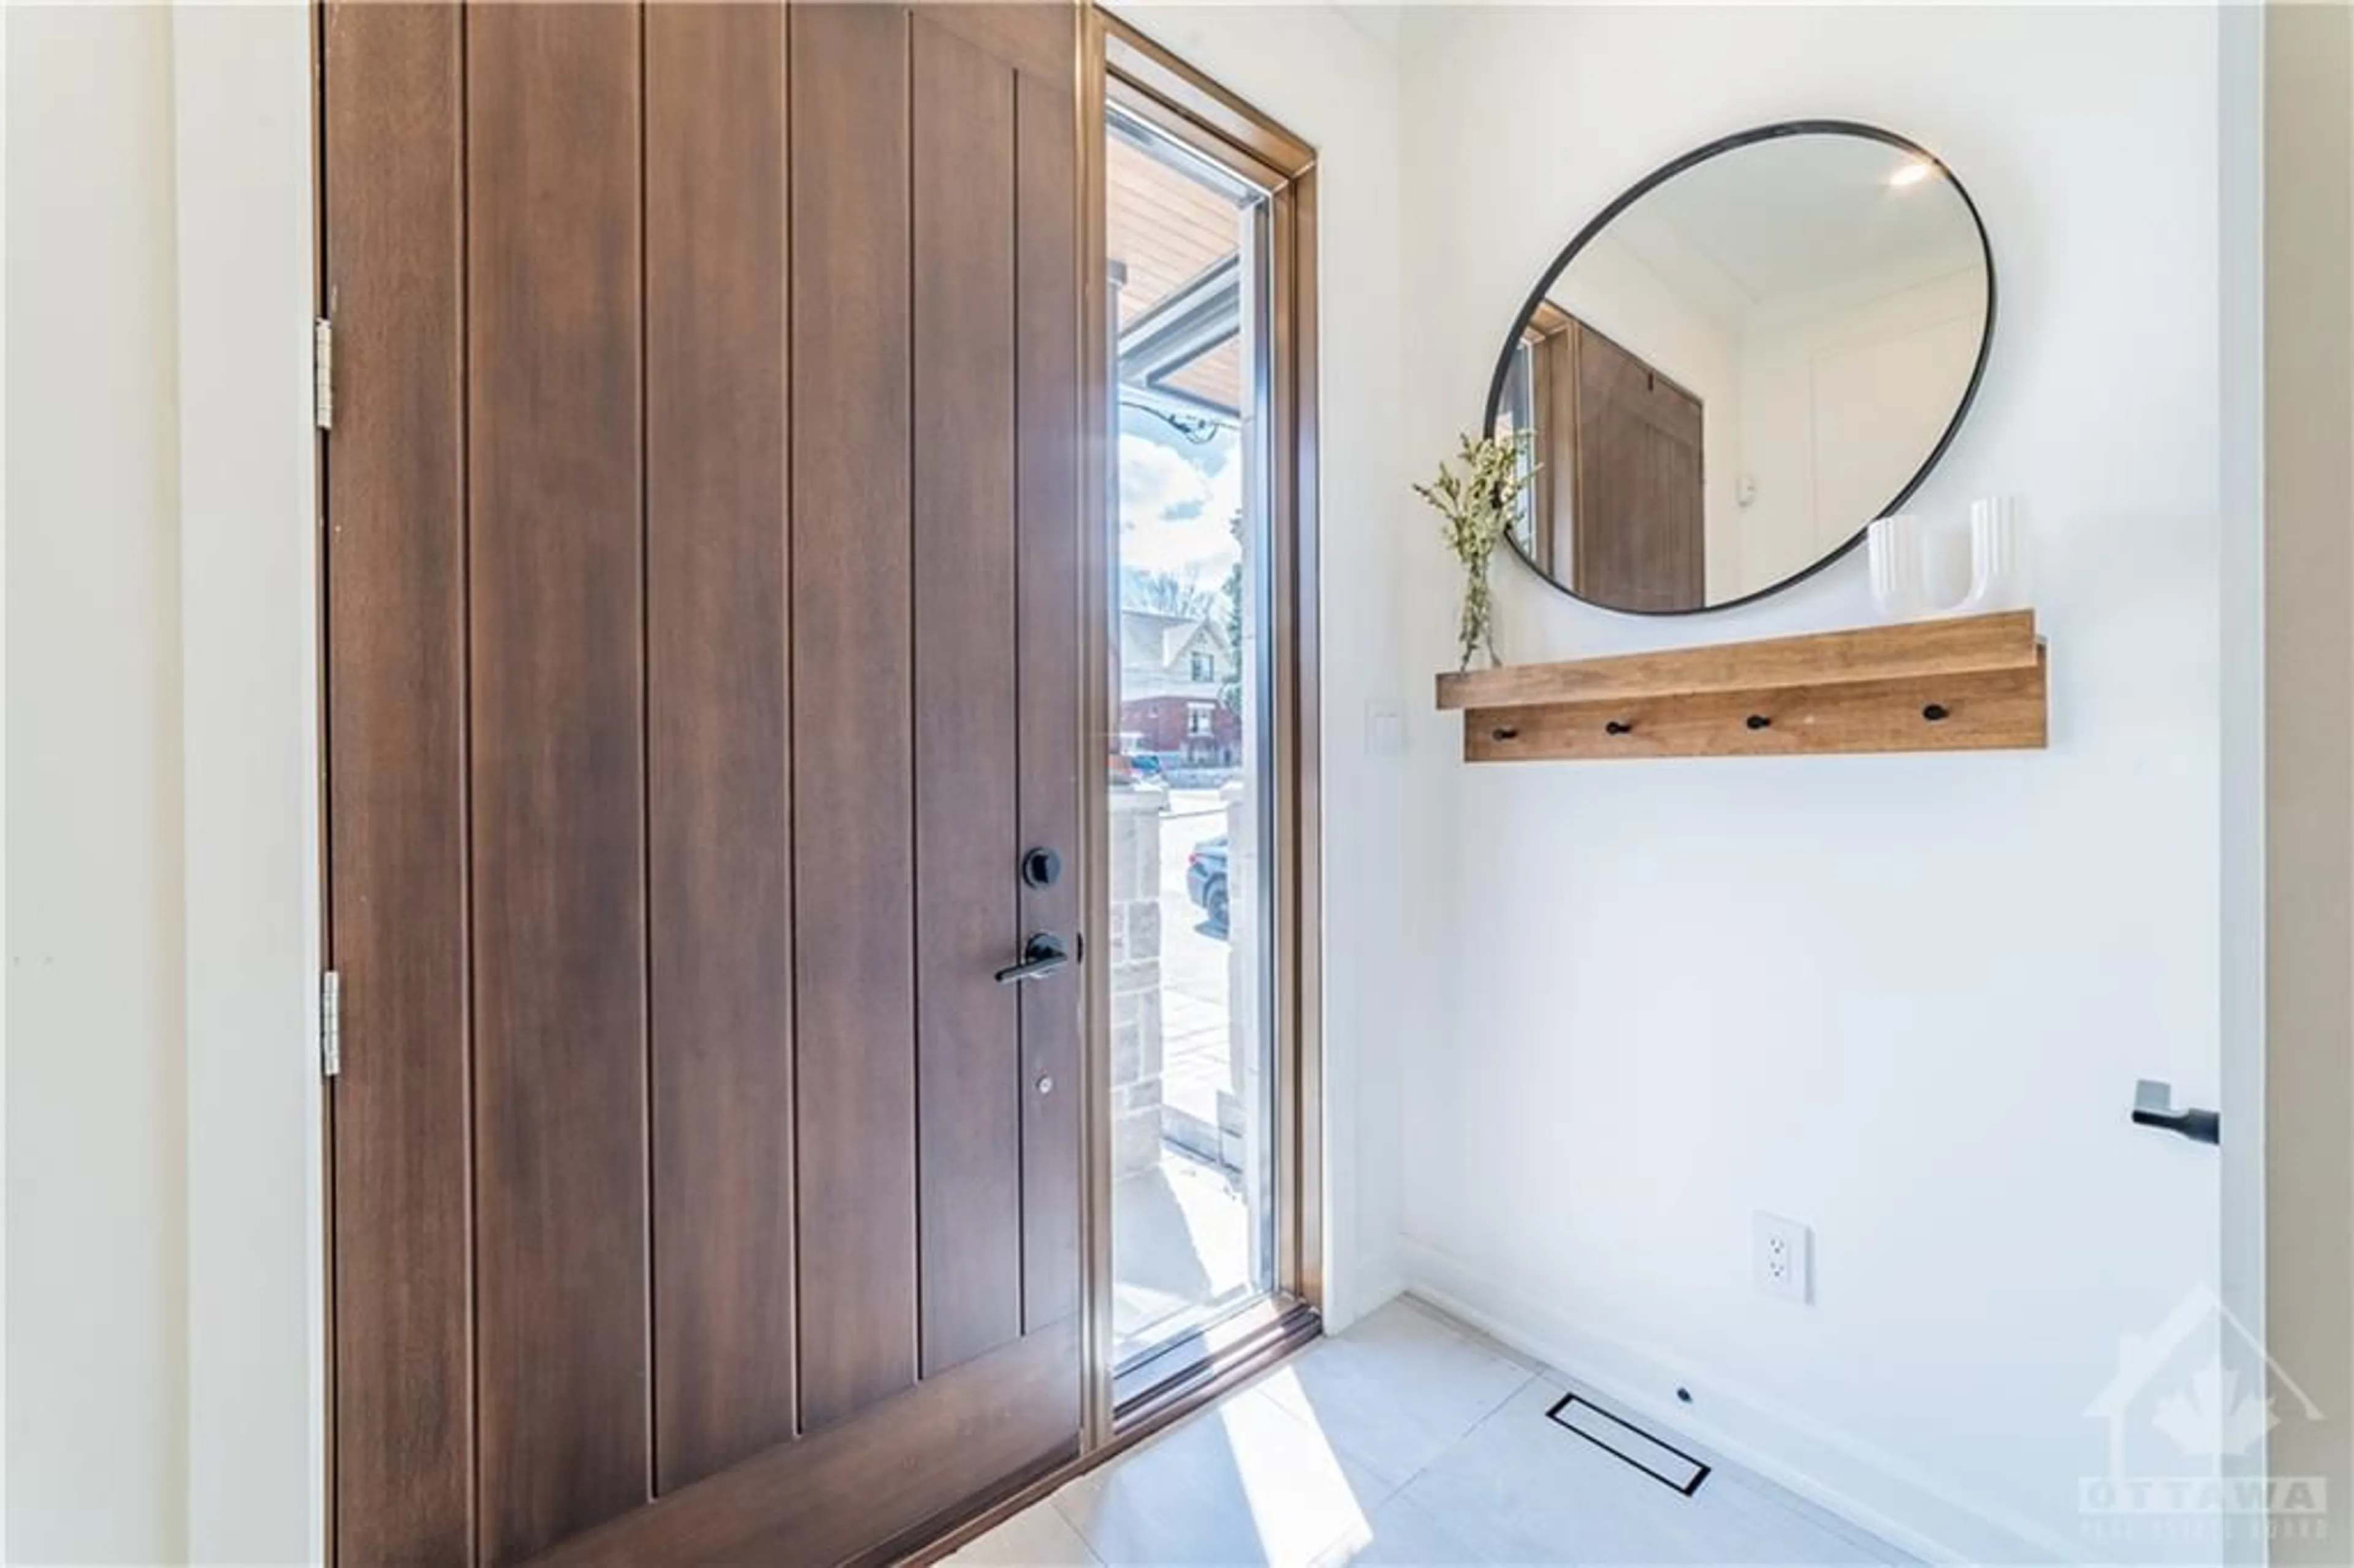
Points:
x=1782, y=1257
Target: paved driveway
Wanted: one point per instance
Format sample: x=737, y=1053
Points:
x=1193, y=1019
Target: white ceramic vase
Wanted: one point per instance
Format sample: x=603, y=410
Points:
x=1899, y=548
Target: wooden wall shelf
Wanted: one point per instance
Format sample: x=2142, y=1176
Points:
x=1975, y=683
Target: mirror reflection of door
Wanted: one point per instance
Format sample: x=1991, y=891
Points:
x=1616, y=504
x=1616, y=450
x=1638, y=472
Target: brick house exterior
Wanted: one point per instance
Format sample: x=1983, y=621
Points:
x=1174, y=673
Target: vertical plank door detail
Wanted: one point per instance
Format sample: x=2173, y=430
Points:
x=1046, y=403
x=853, y=866
x=396, y=792
x=719, y=805
x=702, y=652
x=559, y=865
x=967, y=736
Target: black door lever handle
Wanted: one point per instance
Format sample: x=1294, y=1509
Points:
x=2198, y=1125
x=1042, y=955
x=2154, y=1107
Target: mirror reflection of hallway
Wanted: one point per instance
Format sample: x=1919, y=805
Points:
x=1760, y=348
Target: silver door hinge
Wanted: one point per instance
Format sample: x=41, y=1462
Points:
x=323, y=371
x=331, y=1024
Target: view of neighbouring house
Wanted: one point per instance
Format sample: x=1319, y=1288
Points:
x=1176, y=686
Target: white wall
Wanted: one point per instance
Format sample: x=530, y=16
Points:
x=255, y=1193
x=1331, y=76
x=95, y=1231
x=1903, y=999
x=163, y=1234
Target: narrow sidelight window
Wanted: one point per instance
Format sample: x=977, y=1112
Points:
x=1209, y=1214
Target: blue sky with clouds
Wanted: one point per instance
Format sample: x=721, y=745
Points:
x=1177, y=500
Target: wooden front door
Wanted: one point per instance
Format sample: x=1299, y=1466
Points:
x=703, y=609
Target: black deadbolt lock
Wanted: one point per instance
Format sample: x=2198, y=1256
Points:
x=1042, y=868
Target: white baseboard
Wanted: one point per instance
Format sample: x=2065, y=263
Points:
x=1831, y=1468
x=1373, y=1285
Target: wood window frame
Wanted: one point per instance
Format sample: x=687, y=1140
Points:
x=1124, y=67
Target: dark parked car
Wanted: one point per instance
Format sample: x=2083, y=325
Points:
x=1205, y=881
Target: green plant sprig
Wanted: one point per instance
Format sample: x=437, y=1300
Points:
x=1477, y=498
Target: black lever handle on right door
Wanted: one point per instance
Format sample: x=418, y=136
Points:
x=2198, y=1125
x=2154, y=1107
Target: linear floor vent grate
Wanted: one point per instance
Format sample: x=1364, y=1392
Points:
x=1664, y=1462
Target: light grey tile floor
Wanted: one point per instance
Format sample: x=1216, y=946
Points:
x=1407, y=1441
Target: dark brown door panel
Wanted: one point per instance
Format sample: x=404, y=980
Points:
x=703, y=604
x=398, y=828
x=835, y=1496
x=555, y=594
x=719, y=801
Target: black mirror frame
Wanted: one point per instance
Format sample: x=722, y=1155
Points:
x=1660, y=177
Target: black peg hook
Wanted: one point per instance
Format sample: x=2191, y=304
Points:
x=1759, y=720
x=1503, y=733
x=1617, y=727
x=1937, y=713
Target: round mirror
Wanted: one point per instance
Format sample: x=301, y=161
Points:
x=1741, y=363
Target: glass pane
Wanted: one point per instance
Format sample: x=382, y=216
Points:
x=1515, y=417
x=1192, y=1128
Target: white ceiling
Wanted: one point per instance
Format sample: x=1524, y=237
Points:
x=1797, y=214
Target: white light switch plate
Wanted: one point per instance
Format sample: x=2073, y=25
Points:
x=1384, y=728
